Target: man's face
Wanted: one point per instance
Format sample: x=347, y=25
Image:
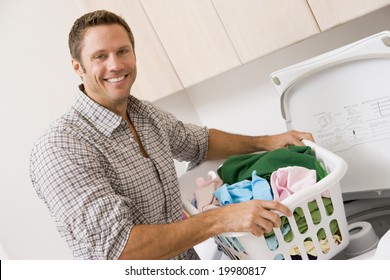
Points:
x=108, y=64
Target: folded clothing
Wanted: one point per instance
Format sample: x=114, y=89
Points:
x=240, y=167
x=288, y=180
x=245, y=190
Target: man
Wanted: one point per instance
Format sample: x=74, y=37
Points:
x=105, y=169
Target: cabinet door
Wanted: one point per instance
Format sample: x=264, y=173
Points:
x=330, y=13
x=259, y=27
x=156, y=77
x=193, y=37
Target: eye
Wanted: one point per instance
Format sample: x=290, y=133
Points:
x=123, y=51
x=99, y=57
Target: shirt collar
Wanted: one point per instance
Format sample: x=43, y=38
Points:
x=103, y=119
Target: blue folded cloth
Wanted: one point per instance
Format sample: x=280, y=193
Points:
x=245, y=190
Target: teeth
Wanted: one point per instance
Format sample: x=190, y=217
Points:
x=115, y=80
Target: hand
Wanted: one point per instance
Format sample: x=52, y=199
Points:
x=255, y=216
x=283, y=140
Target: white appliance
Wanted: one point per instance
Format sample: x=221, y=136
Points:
x=343, y=98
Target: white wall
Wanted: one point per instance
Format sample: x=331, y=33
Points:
x=38, y=85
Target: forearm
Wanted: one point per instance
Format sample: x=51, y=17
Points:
x=223, y=144
x=165, y=241
x=168, y=240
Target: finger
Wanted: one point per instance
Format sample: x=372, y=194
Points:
x=266, y=224
x=276, y=206
x=261, y=224
x=296, y=141
x=305, y=135
x=268, y=221
x=296, y=138
x=258, y=231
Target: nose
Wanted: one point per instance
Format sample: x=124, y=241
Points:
x=114, y=63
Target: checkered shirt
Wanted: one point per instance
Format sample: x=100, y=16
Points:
x=89, y=171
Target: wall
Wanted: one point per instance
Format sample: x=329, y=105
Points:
x=38, y=85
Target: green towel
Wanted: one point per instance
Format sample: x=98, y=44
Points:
x=240, y=167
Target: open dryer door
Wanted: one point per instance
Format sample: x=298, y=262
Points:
x=343, y=98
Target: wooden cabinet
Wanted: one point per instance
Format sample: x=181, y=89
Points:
x=193, y=37
x=259, y=27
x=183, y=42
x=156, y=77
x=330, y=13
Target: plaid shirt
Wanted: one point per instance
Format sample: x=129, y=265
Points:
x=90, y=172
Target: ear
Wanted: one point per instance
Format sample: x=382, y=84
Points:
x=77, y=68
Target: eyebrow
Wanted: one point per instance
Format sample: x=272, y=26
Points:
x=127, y=46
x=121, y=47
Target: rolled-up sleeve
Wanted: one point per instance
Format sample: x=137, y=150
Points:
x=188, y=142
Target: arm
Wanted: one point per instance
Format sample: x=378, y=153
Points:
x=68, y=175
x=223, y=144
x=254, y=216
x=168, y=240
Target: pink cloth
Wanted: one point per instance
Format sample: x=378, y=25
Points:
x=205, y=199
x=288, y=180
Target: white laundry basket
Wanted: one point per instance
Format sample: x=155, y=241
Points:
x=247, y=246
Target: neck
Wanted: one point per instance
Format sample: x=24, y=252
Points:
x=119, y=107
x=120, y=110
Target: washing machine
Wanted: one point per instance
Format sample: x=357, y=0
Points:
x=343, y=98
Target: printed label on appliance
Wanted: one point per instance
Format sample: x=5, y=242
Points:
x=358, y=123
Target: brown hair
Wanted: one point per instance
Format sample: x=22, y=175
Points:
x=99, y=17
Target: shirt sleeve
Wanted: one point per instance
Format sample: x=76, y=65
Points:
x=188, y=142
x=67, y=174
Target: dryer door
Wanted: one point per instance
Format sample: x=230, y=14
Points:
x=343, y=98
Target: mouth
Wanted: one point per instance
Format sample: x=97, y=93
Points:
x=116, y=79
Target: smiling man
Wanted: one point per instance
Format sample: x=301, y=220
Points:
x=107, y=66
x=105, y=169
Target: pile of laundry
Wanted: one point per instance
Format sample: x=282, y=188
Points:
x=273, y=175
